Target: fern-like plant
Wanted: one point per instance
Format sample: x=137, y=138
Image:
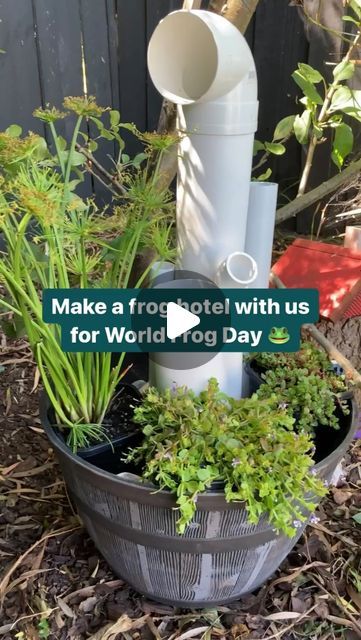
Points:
x=55, y=239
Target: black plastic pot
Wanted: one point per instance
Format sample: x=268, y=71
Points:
x=104, y=454
x=220, y=557
x=254, y=377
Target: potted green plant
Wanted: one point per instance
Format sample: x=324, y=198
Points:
x=55, y=239
x=306, y=383
x=224, y=489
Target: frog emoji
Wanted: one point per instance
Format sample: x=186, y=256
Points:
x=279, y=335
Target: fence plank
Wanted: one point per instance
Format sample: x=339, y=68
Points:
x=20, y=82
x=59, y=31
x=113, y=50
x=155, y=11
x=279, y=45
x=94, y=20
x=61, y=71
x=132, y=66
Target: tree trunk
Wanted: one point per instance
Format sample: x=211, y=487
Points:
x=239, y=12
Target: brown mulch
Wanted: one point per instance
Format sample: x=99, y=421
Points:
x=54, y=584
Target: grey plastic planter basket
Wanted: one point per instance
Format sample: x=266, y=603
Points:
x=220, y=557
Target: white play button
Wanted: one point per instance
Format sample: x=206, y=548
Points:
x=179, y=320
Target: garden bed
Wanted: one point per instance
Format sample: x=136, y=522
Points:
x=65, y=577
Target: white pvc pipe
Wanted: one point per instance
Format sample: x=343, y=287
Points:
x=200, y=61
x=259, y=238
x=226, y=367
x=260, y=229
x=160, y=268
x=239, y=270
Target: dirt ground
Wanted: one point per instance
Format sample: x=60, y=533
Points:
x=54, y=584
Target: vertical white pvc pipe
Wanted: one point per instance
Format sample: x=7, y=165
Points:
x=164, y=377
x=261, y=220
x=200, y=61
x=260, y=228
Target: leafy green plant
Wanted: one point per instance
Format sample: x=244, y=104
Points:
x=44, y=630
x=54, y=239
x=305, y=384
x=248, y=444
x=327, y=106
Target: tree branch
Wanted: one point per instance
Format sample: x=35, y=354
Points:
x=302, y=202
x=239, y=12
x=93, y=163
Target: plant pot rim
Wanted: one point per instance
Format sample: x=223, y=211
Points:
x=97, y=447
x=121, y=487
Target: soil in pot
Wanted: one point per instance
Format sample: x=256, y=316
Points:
x=120, y=431
x=327, y=439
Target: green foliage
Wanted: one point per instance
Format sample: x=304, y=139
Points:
x=305, y=384
x=325, y=106
x=44, y=630
x=301, y=127
x=54, y=239
x=249, y=444
x=342, y=144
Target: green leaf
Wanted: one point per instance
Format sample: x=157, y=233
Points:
x=350, y=19
x=307, y=87
x=258, y=146
x=264, y=176
x=139, y=158
x=284, y=128
x=14, y=131
x=77, y=158
x=108, y=135
x=345, y=98
x=301, y=126
x=342, y=144
x=276, y=148
x=114, y=118
x=357, y=517
x=61, y=143
x=309, y=73
x=98, y=123
x=148, y=430
x=203, y=474
x=344, y=70
x=92, y=146
x=355, y=5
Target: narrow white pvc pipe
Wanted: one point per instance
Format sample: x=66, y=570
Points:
x=260, y=229
x=259, y=237
x=200, y=61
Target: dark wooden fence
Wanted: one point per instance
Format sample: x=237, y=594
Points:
x=55, y=48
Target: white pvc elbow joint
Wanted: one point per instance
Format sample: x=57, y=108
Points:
x=198, y=57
